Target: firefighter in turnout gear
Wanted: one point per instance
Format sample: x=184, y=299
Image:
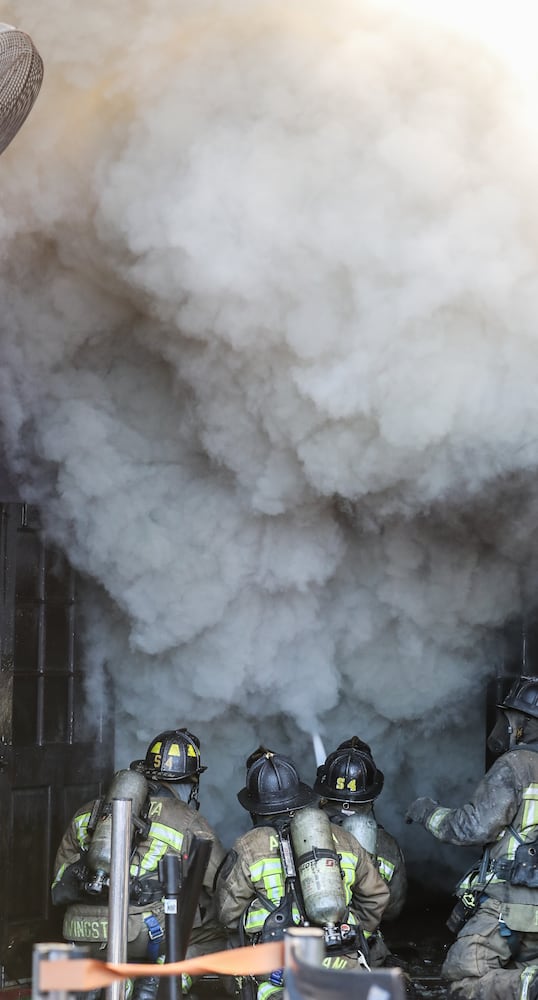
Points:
x=167, y=822
x=269, y=880
x=495, y=955
x=348, y=782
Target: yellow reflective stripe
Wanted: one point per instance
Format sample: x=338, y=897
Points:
x=266, y=990
x=436, y=818
x=257, y=915
x=172, y=838
x=386, y=868
x=80, y=823
x=265, y=866
x=527, y=979
x=150, y=860
x=269, y=872
x=512, y=845
x=161, y=838
x=81, y=826
x=255, y=918
x=530, y=812
x=267, y=876
x=59, y=874
x=348, y=864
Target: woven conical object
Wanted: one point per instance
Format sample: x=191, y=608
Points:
x=21, y=73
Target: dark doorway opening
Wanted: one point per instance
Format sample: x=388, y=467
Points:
x=53, y=755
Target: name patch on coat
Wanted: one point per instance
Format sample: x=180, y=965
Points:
x=85, y=929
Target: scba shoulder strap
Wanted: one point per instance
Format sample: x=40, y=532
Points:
x=155, y=936
x=281, y=915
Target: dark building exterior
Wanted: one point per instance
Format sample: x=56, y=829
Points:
x=52, y=753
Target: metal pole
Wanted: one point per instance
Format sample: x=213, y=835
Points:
x=118, y=895
x=304, y=943
x=171, y=878
x=50, y=953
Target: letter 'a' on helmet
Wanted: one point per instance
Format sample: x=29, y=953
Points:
x=523, y=696
x=273, y=786
x=173, y=756
x=349, y=775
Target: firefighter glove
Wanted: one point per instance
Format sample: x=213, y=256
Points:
x=420, y=810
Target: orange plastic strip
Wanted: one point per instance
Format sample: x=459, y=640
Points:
x=89, y=974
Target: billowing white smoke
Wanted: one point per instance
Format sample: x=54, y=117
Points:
x=269, y=299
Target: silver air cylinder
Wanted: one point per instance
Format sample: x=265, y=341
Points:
x=126, y=784
x=363, y=826
x=318, y=867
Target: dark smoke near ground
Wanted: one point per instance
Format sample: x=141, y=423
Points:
x=269, y=355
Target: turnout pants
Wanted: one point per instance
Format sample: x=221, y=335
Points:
x=480, y=964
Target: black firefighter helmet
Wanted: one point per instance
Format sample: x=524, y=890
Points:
x=523, y=696
x=172, y=756
x=349, y=774
x=273, y=786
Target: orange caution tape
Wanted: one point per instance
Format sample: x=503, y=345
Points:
x=90, y=974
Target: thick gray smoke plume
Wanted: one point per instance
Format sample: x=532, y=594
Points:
x=269, y=299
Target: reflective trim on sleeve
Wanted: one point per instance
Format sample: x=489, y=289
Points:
x=386, y=868
x=434, y=822
x=257, y=915
x=530, y=812
x=58, y=876
x=348, y=867
x=81, y=827
x=80, y=823
x=266, y=990
x=161, y=839
x=270, y=873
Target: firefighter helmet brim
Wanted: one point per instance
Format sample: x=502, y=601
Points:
x=302, y=796
x=273, y=786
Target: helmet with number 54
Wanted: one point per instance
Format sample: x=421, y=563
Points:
x=348, y=782
x=349, y=774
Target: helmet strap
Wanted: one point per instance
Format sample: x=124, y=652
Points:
x=193, y=796
x=516, y=725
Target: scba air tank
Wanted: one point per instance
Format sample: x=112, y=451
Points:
x=363, y=826
x=125, y=784
x=318, y=867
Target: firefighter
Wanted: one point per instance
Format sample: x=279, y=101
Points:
x=259, y=888
x=171, y=769
x=348, y=782
x=495, y=955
